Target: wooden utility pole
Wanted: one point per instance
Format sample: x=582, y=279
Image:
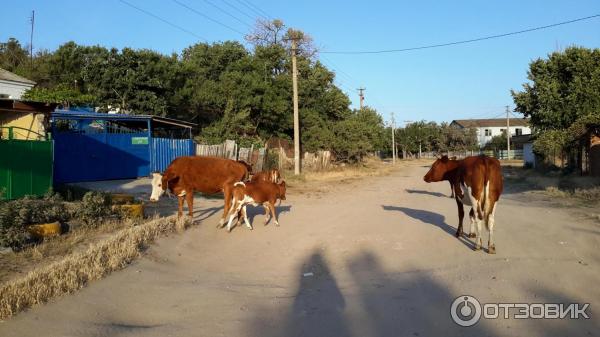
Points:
x=362, y=96
x=507, y=133
x=393, y=141
x=31, y=39
x=296, y=117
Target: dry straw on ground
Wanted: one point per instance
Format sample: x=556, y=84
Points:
x=78, y=269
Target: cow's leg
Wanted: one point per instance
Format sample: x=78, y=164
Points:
x=267, y=216
x=190, y=202
x=245, y=215
x=451, y=190
x=461, y=215
x=478, y=239
x=234, y=210
x=490, y=224
x=180, y=208
x=472, y=218
x=273, y=215
x=227, y=195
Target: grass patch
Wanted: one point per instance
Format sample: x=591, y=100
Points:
x=77, y=269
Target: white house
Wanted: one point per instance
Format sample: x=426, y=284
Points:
x=488, y=128
x=12, y=86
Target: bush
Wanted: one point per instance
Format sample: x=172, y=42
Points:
x=16, y=215
x=94, y=207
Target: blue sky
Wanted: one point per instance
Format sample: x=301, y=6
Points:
x=464, y=81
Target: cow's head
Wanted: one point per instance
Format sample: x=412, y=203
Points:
x=281, y=186
x=157, y=186
x=438, y=170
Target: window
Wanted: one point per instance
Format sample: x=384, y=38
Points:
x=518, y=131
x=488, y=132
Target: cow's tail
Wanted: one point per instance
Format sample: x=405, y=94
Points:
x=487, y=202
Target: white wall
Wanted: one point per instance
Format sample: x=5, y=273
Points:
x=497, y=130
x=14, y=90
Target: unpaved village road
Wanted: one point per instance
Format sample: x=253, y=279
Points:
x=375, y=257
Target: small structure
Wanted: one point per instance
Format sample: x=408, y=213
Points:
x=25, y=148
x=99, y=146
x=13, y=86
x=488, y=128
x=525, y=142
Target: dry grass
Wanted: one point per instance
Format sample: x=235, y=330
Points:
x=322, y=181
x=77, y=269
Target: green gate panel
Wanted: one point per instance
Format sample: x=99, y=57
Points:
x=25, y=167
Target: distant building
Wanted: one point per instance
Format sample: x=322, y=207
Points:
x=13, y=86
x=488, y=128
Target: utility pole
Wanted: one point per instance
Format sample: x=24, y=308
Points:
x=296, y=117
x=507, y=133
x=362, y=96
x=393, y=141
x=32, y=19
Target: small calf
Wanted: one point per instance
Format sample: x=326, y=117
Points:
x=271, y=176
x=256, y=193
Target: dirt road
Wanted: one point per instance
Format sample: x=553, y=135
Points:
x=376, y=257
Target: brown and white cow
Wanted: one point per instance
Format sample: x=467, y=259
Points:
x=270, y=175
x=263, y=193
x=477, y=182
x=186, y=175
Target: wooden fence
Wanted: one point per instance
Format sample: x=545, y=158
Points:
x=229, y=149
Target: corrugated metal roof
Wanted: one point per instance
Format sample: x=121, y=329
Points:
x=492, y=122
x=8, y=76
x=107, y=116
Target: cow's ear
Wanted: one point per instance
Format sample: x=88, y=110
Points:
x=444, y=159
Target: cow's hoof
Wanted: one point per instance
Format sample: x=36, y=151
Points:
x=478, y=247
x=250, y=228
x=472, y=235
x=276, y=223
x=458, y=234
x=492, y=250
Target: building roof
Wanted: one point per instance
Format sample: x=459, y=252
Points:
x=492, y=122
x=6, y=75
x=521, y=139
x=15, y=105
x=70, y=114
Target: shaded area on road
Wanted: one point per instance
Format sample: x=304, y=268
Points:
x=380, y=304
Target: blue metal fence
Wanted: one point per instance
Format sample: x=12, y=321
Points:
x=164, y=150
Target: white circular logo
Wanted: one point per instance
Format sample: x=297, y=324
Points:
x=465, y=310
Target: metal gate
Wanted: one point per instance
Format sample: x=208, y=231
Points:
x=25, y=166
x=164, y=150
x=90, y=150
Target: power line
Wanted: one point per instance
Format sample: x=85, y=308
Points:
x=258, y=8
x=228, y=13
x=253, y=18
x=463, y=41
x=163, y=20
x=251, y=8
x=207, y=17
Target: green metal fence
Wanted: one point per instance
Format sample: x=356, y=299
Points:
x=25, y=166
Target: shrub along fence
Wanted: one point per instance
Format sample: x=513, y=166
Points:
x=25, y=165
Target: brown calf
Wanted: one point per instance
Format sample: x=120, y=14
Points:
x=271, y=176
x=256, y=193
x=477, y=181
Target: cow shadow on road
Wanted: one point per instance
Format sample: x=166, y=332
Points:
x=431, y=218
x=252, y=212
x=435, y=194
